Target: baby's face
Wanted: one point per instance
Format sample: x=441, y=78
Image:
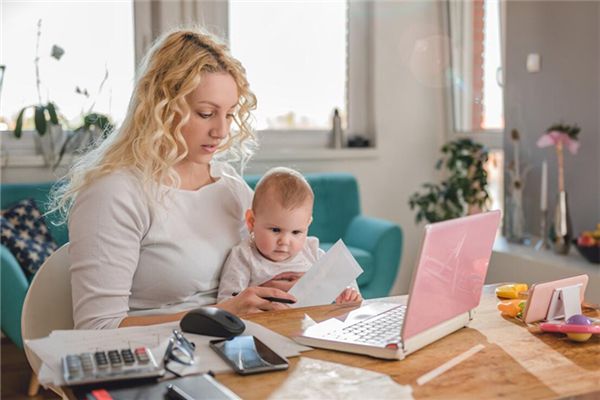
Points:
x=279, y=234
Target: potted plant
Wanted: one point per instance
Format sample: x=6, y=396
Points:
x=463, y=191
x=95, y=127
x=45, y=118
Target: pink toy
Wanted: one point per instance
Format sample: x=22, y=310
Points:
x=578, y=328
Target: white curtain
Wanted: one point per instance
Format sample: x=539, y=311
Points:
x=461, y=38
x=153, y=17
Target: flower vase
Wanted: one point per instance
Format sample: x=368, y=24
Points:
x=516, y=218
x=562, y=230
x=50, y=143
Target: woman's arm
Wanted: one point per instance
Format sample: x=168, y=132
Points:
x=151, y=319
x=106, y=226
x=248, y=301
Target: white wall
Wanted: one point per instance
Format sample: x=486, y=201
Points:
x=409, y=122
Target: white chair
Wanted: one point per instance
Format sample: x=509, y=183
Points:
x=47, y=306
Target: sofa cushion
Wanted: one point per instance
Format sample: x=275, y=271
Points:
x=364, y=259
x=24, y=232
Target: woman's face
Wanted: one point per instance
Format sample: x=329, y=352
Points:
x=212, y=105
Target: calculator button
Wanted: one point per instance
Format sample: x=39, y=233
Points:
x=128, y=357
x=115, y=358
x=101, y=360
x=87, y=363
x=73, y=365
x=141, y=355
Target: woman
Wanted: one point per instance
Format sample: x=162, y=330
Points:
x=151, y=215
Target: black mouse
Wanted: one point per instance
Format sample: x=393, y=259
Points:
x=212, y=321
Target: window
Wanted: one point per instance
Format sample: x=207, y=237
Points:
x=475, y=94
x=295, y=56
x=97, y=38
x=476, y=65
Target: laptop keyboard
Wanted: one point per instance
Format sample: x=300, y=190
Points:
x=381, y=329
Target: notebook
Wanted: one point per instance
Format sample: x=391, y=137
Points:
x=445, y=289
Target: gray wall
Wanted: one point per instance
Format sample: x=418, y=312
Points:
x=567, y=89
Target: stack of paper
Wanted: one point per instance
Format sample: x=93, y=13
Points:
x=51, y=349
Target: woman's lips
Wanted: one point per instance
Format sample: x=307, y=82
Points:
x=210, y=148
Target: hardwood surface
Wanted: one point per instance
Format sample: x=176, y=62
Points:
x=15, y=375
x=516, y=363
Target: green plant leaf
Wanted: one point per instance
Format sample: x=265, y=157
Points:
x=19, y=124
x=40, y=120
x=52, y=112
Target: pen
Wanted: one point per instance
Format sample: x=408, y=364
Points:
x=279, y=300
x=175, y=393
x=273, y=299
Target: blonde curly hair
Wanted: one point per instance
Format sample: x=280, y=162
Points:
x=149, y=141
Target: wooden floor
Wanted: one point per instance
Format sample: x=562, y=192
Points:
x=16, y=374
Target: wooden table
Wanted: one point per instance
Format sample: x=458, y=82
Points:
x=515, y=363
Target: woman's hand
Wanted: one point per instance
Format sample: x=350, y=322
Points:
x=253, y=300
x=349, y=295
x=283, y=281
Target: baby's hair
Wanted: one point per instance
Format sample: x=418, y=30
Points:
x=284, y=185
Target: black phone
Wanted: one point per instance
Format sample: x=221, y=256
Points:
x=248, y=355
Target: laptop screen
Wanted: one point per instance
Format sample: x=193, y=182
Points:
x=450, y=272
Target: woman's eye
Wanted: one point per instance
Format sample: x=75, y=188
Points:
x=205, y=115
x=275, y=230
x=230, y=116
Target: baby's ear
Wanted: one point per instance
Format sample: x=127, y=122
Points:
x=310, y=220
x=250, y=220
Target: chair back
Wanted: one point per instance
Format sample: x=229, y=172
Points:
x=48, y=305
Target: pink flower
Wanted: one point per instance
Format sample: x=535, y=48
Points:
x=553, y=138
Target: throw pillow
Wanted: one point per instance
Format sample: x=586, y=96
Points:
x=24, y=232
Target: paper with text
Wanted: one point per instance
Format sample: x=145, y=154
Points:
x=60, y=343
x=330, y=275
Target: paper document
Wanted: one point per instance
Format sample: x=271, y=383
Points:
x=60, y=343
x=327, y=278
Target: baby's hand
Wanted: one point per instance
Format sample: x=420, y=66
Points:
x=349, y=295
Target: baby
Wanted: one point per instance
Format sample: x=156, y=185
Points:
x=278, y=223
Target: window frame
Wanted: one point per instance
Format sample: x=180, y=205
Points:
x=213, y=16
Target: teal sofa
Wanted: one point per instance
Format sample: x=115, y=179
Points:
x=376, y=244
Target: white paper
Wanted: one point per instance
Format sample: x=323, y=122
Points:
x=52, y=348
x=317, y=379
x=330, y=275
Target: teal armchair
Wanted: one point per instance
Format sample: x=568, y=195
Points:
x=375, y=243
x=14, y=282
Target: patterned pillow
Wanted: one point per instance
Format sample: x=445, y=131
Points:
x=24, y=231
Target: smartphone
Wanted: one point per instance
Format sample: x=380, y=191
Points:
x=248, y=355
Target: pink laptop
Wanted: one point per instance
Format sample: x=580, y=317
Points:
x=445, y=289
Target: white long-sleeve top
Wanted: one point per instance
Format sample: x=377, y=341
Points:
x=130, y=258
x=246, y=267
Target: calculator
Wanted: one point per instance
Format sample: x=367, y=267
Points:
x=111, y=365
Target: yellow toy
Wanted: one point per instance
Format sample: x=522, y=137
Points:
x=511, y=291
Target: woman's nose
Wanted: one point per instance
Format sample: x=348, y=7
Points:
x=220, y=129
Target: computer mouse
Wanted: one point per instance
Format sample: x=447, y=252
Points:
x=212, y=321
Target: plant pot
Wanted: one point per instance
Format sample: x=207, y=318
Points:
x=49, y=144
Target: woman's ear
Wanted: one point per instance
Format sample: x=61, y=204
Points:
x=250, y=220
